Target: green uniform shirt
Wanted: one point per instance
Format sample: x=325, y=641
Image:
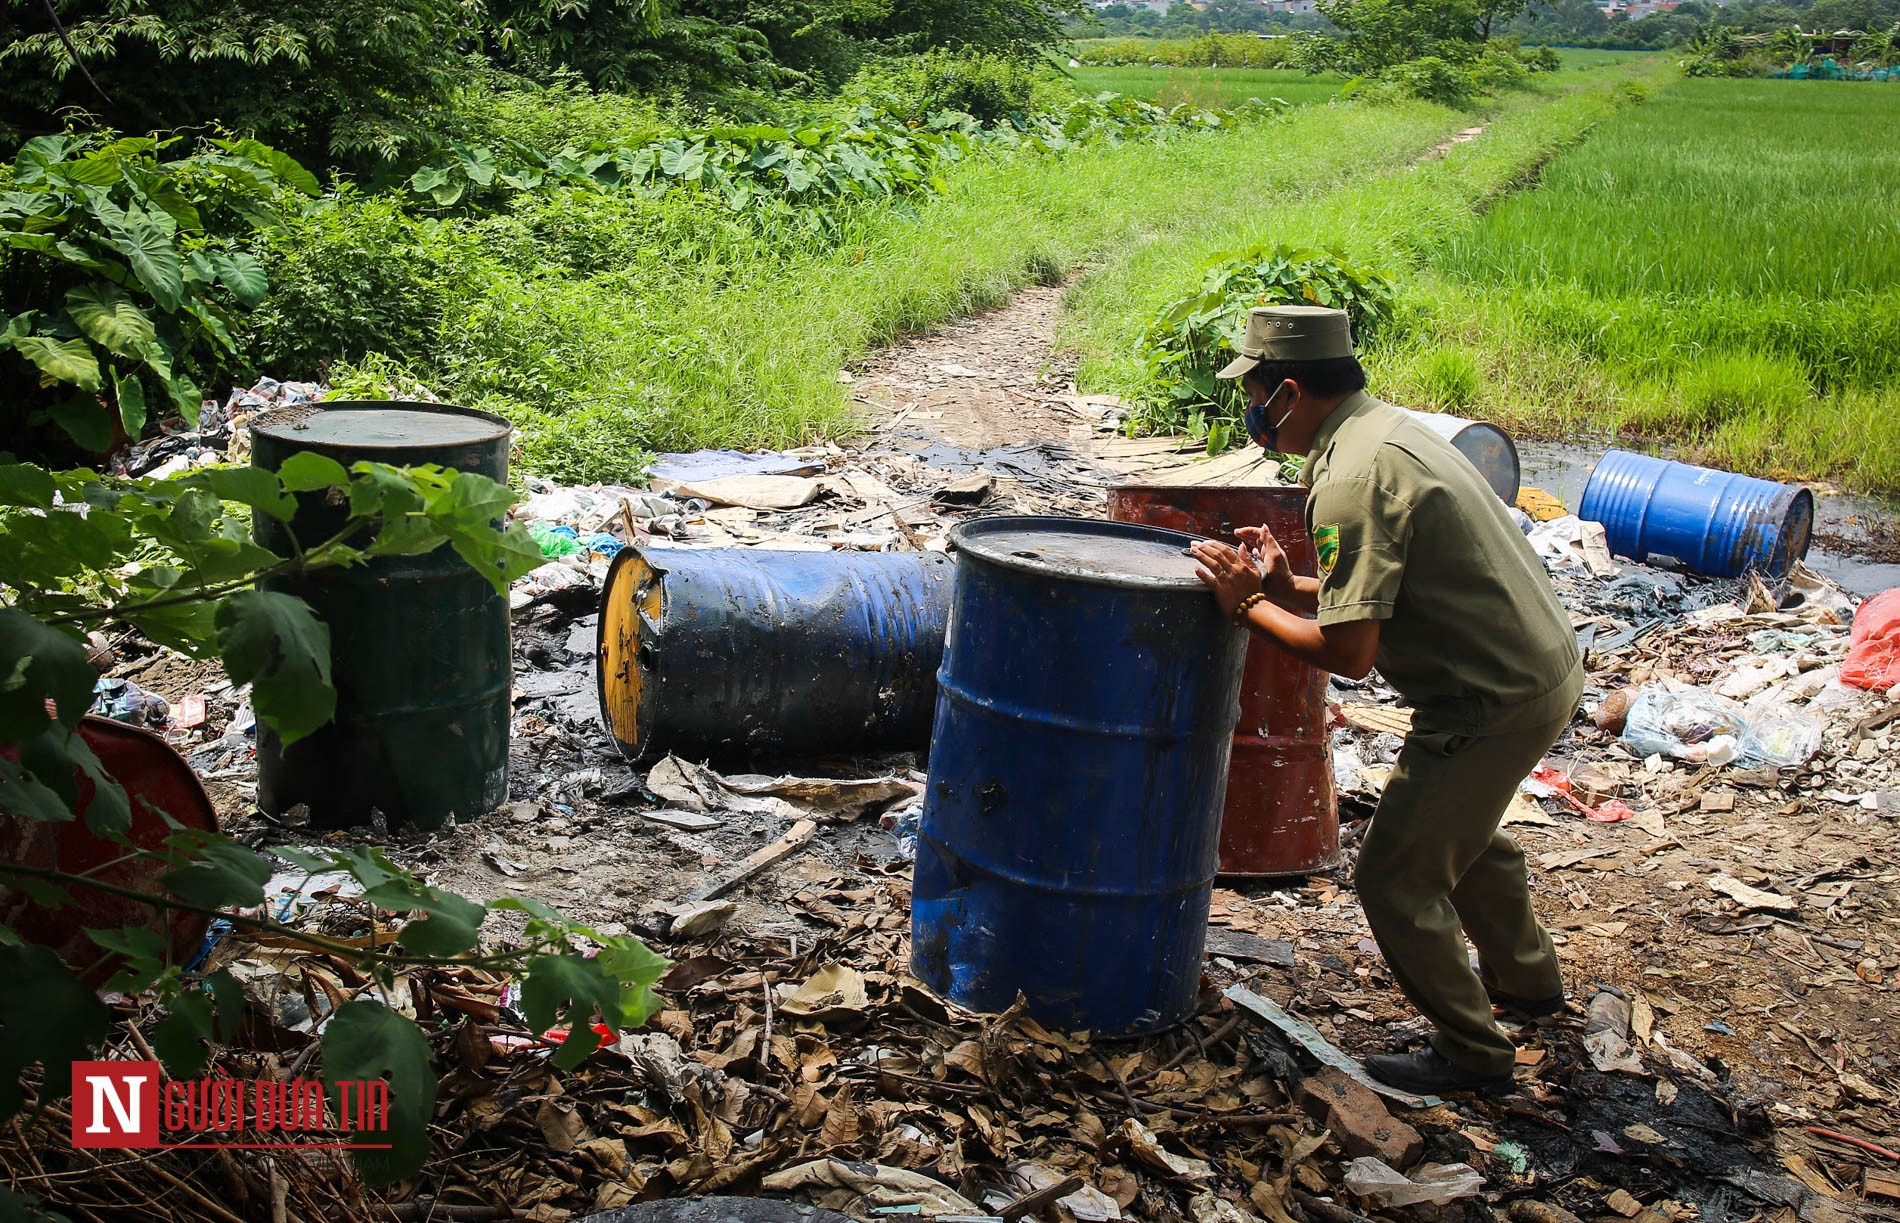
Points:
x=1409, y=533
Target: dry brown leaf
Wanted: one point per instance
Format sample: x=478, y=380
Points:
x=842, y=1126
x=1269, y=1198
x=561, y=1124
x=608, y=1156
x=1147, y=1150
x=968, y=1057
x=832, y=993
x=1119, y=1183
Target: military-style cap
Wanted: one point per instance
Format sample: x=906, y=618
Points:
x=1291, y=333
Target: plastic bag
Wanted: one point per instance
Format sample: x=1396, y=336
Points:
x=1873, y=653
x=1696, y=726
x=555, y=542
x=1781, y=739
x=1384, y=1185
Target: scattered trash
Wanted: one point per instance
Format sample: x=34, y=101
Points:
x=124, y=701
x=1432, y=1184
x=556, y=541
x=1148, y=1151
x=1606, y=1034
x=1694, y=725
x=1571, y=542
x=857, y=1188
x=1873, y=657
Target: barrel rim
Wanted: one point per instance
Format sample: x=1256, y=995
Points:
x=1301, y=489
x=274, y=425
x=962, y=534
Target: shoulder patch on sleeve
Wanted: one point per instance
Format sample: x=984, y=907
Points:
x=1326, y=545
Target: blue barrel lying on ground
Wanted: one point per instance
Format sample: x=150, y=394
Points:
x=1714, y=522
x=1078, y=767
x=738, y=653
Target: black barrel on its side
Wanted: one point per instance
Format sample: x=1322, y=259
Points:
x=419, y=647
x=737, y=653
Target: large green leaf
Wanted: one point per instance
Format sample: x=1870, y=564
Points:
x=25, y=484
x=252, y=486
x=108, y=314
x=366, y=1040
x=244, y=276
x=70, y=361
x=306, y=471
x=148, y=247
x=131, y=396
x=49, y=1016
x=41, y=663
x=288, y=169
x=85, y=420
x=278, y=646
x=571, y=989
x=225, y=873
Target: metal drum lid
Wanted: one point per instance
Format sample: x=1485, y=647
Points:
x=380, y=426
x=1084, y=550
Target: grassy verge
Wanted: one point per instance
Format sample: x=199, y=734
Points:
x=608, y=326
x=1716, y=270
x=1394, y=216
x=1212, y=87
x=611, y=325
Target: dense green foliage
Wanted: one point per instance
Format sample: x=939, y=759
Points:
x=1185, y=21
x=174, y=560
x=353, y=80
x=356, y=84
x=1206, y=51
x=1189, y=339
x=1214, y=87
x=124, y=273
x=1375, y=35
x=1580, y=23
x=1683, y=270
x=585, y=307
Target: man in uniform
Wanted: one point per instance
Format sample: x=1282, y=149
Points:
x=1423, y=573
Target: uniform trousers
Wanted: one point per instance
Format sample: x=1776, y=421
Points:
x=1434, y=860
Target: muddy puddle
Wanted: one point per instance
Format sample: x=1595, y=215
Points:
x=1856, y=538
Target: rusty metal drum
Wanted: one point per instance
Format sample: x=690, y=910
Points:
x=166, y=796
x=1281, y=815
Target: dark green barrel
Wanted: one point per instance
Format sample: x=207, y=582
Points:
x=418, y=644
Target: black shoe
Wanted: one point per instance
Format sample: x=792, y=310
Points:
x=1426, y=1072
x=1541, y=1011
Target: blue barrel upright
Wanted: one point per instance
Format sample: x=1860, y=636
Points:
x=1714, y=522
x=1078, y=767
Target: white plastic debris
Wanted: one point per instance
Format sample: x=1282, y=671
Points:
x=1435, y=1184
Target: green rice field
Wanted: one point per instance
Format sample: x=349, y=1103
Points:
x=1718, y=268
x=1588, y=57
x=1210, y=87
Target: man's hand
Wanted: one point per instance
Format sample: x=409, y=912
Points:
x=1227, y=572
x=1276, y=571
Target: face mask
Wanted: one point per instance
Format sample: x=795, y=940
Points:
x=1263, y=432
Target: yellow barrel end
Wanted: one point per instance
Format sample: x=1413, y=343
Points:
x=631, y=600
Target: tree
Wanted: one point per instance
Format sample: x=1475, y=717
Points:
x=1378, y=34
x=329, y=81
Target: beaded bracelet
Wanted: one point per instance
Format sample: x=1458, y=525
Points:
x=1245, y=606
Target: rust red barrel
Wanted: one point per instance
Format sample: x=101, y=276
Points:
x=1281, y=818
